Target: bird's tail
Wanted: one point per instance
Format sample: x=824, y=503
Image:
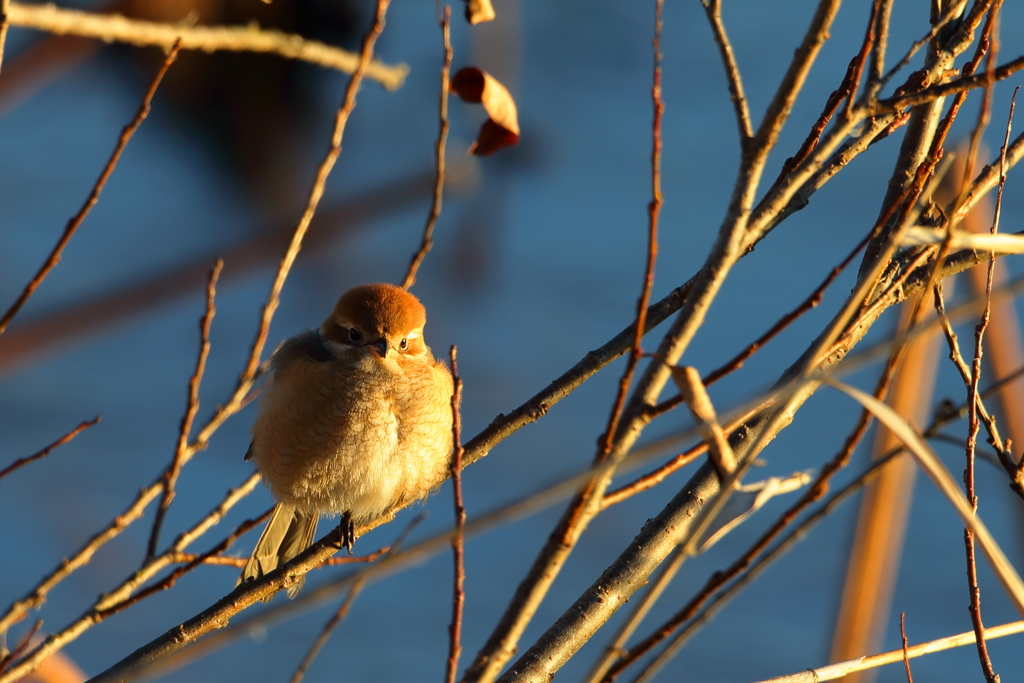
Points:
x=288, y=533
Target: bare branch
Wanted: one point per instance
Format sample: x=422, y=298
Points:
x=21, y=462
x=834, y=671
x=906, y=659
x=94, y=196
x=116, y=28
x=781, y=104
x=439, y=149
x=458, y=542
x=191, y=408
x=881, y=43
x=957, y=85
x=713, y=10
x=317, y=191
x=353, y=592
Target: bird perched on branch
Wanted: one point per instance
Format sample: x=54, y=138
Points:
x=355, y=420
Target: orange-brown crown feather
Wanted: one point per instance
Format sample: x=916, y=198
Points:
x=381, y=309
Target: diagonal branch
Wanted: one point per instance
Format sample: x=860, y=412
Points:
x=116, y=28
x=191, y=408
x=782, y=103
x=841, y=669
x=94, y=196
x=21, y=462
x=713, y=10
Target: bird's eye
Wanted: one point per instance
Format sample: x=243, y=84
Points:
x=354, y=335
x=404, y=344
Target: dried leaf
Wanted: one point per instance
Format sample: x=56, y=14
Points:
x=942, y=479
x=479, y=11
x=502, y=129
x=746, y=500
x=696, y=397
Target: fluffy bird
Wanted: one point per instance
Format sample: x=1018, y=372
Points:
x=355, y=420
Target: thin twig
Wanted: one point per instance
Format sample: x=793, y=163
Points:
x=814, y=136
x=239, y=562
x=353, y=592
x=866, y=49
x=653, y=212
x=965, y=374
x=652, y=479
x=713, y=10
x=952, y=13
x=439, y=148
x=94, y=196
x=810, y=302
x=186, y=567
x=21, y=462
x=972, y=402
x=881, y=43
x=332, y=623
x=906, y=659
x=116, y=28
x=840, y=669
x=317, y=191
x=22, y=645
x=191, y=408
x=957, y=85
x=458, y=541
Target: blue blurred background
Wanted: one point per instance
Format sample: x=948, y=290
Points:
x=538, y=259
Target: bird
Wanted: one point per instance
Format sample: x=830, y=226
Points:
x=355, y=420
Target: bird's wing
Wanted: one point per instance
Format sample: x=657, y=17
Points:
x=308, y=345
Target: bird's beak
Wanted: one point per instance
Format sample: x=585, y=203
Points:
x=379, y=348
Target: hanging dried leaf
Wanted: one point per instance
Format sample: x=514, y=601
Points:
x=502, y=129
x=479, y=11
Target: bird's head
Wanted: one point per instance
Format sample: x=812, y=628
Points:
x=383, y=320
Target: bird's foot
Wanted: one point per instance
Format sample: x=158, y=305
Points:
x=348, y=532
